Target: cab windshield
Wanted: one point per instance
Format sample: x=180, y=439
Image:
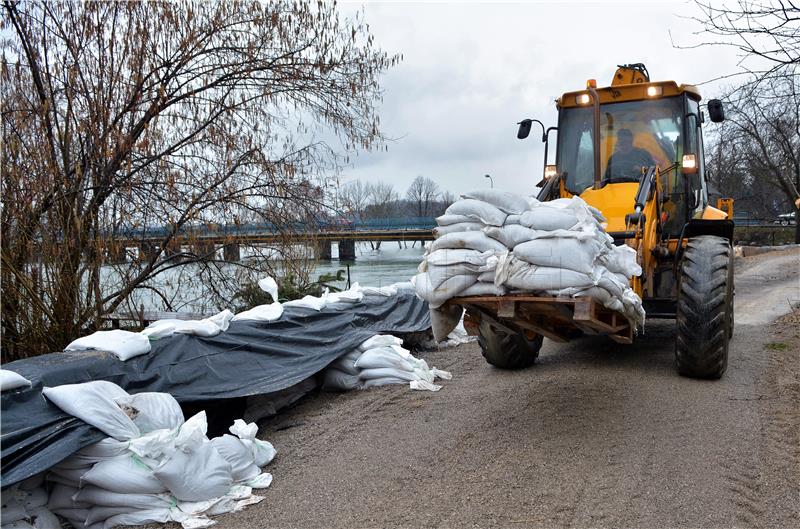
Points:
x=633, y=134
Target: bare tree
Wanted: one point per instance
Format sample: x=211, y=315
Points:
x=148, y=125
x=766, y=34
x=383, y=200
x=422, y=193
x=760, y=143
x=355, y=197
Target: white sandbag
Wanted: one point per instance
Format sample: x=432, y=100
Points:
x=353, y=295
x=239, y=455
x=101, y=513
x=17, y=524
x=622, y=260
x=307, y=302
x=485, y=289
x=439, y=274
x=270, y=286
x=61, y=497
x=42, y=518
x=436, y=296
x=477, y=209
x=154, y=411
x=334, y=380
x=269, y=404
x=512, y=219
x=33, y=482
x=96, y=496
x=470, y=240
x=446, y=257
x=106, y=449
x=444, y=320
x=269, y=312
x=122, y=344
x=126, y=474
x=194, y=471
x=517, y=274
x=513, y=234
x=12, y=380
x=67, y=476
x=486, y=277
x=388, y=372
x=503, y=200
x=347, y=363
x=439, y=231
x=449, y=220
x=94, y=403
x=379, y=340
x=570, y=254
x=141, y=517
x=211, y=326
x=263, y=451
x=383, y=357
x=548, y=219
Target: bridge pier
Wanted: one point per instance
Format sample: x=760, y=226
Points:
x=231, y=252
x=204, y=250
x=148, y=251
x=347, y=250
x=116, y=253
x=322, y=250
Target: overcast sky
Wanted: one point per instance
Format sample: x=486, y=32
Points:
x=472, y=70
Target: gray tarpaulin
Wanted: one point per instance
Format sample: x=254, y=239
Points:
x=251, y=358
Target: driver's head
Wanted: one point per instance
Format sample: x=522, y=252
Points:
x=624, y=140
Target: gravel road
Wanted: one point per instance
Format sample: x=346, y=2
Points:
x=595, y=435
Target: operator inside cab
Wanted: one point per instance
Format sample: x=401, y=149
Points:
x=626, y=162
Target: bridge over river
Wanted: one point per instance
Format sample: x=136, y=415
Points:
x=206, y=240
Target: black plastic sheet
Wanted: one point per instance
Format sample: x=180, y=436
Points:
x=250, y=358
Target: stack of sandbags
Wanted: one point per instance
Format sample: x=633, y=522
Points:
x=379, y=361
x=154, y=466
x=24, y=506
x=492, y=243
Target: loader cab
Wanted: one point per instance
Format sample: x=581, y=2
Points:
x=664, y=120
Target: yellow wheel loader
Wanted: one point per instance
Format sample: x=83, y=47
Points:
x=634, y=151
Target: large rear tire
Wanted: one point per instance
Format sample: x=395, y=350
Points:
x=508, y=351
x=705, y=307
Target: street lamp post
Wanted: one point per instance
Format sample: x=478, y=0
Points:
x=491, y=182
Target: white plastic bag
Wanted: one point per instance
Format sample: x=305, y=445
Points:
x=122, y=344
x=94, y=403
x=12, y=380
x=263, y=451
x=270, y=286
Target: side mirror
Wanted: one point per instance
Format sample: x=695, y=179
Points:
x=524, y=128
x=715, y=110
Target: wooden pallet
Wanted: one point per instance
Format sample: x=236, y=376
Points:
x=559, y=319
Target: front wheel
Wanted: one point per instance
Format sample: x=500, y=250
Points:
x=508, y=351
x=705, y=307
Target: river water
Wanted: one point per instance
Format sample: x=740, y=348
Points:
x=180, y=287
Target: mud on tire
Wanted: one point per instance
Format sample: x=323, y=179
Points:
x=508, y=351
x=705, y=307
